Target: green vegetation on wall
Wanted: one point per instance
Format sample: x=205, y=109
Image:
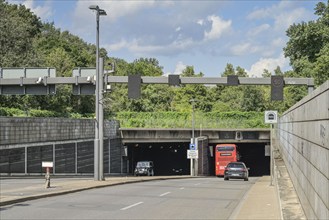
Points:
x=184, y=120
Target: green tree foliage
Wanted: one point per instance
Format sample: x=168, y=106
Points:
x=19, y=28
x=308, y=43
x=145, y=67
x=252, y=99
x=232, y=96
x=67, y=46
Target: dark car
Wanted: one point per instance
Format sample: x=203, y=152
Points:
x=145, y=168
x=236, y=170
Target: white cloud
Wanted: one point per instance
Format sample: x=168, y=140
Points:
x=136, y=47
x=44, y=12
x=180, y=67
x=245, y=48
x=200, y=22
x=278, y=42
x=272, y=10
x=117, y=46
x=218, y=27
x=270, y=64
x=240, y=49
x=258, y=30
x=284, y=14
x=287, y=18
x=116, y=9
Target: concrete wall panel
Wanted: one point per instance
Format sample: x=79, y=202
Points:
x=65, y=134
x=32, y=130
x=303, y=136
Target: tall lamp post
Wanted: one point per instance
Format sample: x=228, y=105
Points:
x=99, y=124
x=192, y=170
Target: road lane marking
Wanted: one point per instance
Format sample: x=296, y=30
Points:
x=163, y=194
x=182, y=188
x=128, y=207
x=197, y=184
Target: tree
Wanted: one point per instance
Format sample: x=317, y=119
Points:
x=229, y=70
x=145, y=67
x=278, y=71
x=307, y=47
x=241, y=72
x=253, y=99
x=19, y=27
x=266, y=73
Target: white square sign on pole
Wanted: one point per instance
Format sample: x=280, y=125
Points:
x=271, y=117
x=192, y=154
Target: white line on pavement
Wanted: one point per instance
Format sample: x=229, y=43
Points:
x=163, y=194
x=128, y=207
x=182, y=188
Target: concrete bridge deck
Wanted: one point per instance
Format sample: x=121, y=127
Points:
x=165, y=135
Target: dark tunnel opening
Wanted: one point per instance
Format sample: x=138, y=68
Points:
x=171, y=158
x=253, y=155
x=168, y=158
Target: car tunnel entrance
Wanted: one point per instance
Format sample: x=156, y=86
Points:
x=168, y=158
x=254, y=156
x=171, y=158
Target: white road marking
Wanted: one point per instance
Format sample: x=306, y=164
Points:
x=197, y=184
x=182, y=188
x=128, y=207
x=163, y=194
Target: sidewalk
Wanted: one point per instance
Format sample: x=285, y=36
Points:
x=260, y=202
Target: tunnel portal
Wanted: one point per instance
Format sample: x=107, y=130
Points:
x=171, y=158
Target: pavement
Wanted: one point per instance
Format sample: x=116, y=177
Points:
x=268, y=198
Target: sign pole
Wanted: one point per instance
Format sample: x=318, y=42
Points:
x=271, y=117
x=272, y=159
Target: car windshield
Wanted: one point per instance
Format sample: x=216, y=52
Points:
x=235, y=165
x=143, y=164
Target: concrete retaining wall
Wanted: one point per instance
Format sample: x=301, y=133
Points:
x=303, y=136
x=31, y=130
x=25, y=142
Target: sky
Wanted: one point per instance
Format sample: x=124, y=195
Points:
x=205, y=34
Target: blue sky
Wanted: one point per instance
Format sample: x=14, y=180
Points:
x=178, y=33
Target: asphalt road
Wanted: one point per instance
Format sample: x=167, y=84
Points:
x=196, y=198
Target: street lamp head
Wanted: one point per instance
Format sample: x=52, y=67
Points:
x=102, y=12
x=94, y=7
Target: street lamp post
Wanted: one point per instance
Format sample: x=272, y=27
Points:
x=192, y=170
x=193, y=121
x=99, y=124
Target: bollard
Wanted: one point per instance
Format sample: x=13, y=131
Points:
x=47, y=176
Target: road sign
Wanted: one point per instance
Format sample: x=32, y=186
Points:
x=277, y=84
x=47, y=164
x=192, y=154
x=271, y=117
x=192, y=147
